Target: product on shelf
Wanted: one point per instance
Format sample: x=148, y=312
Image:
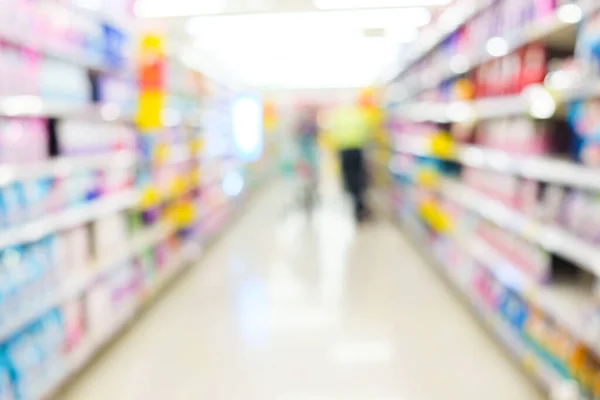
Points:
x=523, y=239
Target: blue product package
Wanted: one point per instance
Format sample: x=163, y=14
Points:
x=12, y=262
x=584, y=119
x=15, y=203
x=3, y=209
x=52, y=339
x=35, y=192
x=48, y=252
x=514, y=309
x=79, y=187
x=35, y=264
x=26, y=358
x=7, y=378
x=114, y=46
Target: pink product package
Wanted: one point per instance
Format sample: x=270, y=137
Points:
x=30, y=70
x=515, y=250
x=81, y=137
x=520, y=136
x=74, y=321
x=501, y=187
x=580, y=215
x=552, y=201
x=23, y=140
x=544, y=8
x=117, y=180
x=483, y=285
x=528, y=197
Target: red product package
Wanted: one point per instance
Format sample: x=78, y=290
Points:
x=533, y=65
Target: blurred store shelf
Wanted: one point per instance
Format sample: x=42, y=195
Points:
x=553, y=239
x=548, y=30
x=68, y=218
x=545, y=169
x=453, y=18
x=571, y=304
x=540, y=371
x=190, y=251
x=77, y=285
x=35, y=106
x=65, y=166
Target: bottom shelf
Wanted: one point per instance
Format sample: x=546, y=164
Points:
x=96, y=342
x=189, y=252
x=550, y=380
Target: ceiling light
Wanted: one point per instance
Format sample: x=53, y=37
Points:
x=403, y=35
x=459, y=64
x=570, y=13
x=541, y=103
x=177, y=8
x=352, y=4
x=93, y=5
x=451, y=17
x=460, y=111
x=497, y=46
x=346, y=19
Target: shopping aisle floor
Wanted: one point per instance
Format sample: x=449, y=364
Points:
x=285, y=309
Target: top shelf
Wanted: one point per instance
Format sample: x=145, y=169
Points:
x=540, y=30
x=456, y=17
x=527, y=102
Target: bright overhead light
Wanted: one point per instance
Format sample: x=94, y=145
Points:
x=177, y=8
x=352, y=4
x=570, y=13
x=451, y=17
x=460, y=111
x=346, y=19
x=403, y=35
x=93, y=5
x=541, y=103
x=459, y=64
x=497, y=46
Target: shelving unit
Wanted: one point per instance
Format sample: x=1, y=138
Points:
x=99, y=211
x=545, y=30
x=490, y=168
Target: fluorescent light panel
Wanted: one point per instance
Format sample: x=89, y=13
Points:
x=177, y=8
x=307, y=21
x=353, y=4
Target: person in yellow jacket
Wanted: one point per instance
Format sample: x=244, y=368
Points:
x=349, y=130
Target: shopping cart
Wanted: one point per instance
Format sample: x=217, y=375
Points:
x=308, y=186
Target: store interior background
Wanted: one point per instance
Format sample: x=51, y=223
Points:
x=140, y=138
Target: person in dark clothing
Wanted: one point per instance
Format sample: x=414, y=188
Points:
x=355, y=180
x=350, y=131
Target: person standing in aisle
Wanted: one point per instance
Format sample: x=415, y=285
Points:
x=349, y=130
x=307, y=132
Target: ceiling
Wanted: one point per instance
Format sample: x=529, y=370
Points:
x=291, y=43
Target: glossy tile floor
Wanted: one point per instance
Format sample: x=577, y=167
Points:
x=283, y=308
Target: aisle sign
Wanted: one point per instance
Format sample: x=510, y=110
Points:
x=269, y=116
x=151, y=76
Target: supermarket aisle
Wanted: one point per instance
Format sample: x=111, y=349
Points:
x=290, y=310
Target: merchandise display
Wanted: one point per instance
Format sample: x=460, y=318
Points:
x=494, y=152
x=105, y=196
